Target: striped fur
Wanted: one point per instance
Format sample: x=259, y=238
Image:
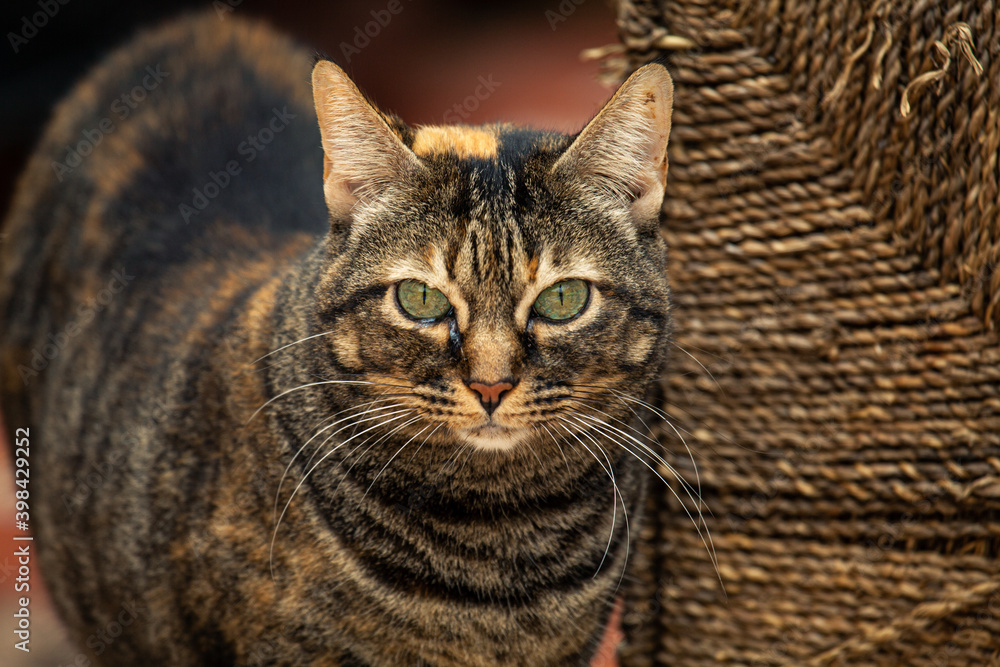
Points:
x=289, y=470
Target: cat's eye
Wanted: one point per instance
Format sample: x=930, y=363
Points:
x=421, y=301
x=562, y=301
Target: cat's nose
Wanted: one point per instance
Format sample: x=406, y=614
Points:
x=490, y=395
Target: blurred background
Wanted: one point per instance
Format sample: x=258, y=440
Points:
x=423, y=62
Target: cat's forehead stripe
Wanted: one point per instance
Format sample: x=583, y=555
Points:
x=465, y=142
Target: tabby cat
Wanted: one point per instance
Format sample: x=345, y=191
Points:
x=361, y=396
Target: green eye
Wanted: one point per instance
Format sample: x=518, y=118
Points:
x=420, y=301
x=563, y=300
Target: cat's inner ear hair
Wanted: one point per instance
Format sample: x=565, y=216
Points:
x=362, y=154
x=622, y=152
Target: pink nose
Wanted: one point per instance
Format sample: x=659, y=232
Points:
x=490, y=395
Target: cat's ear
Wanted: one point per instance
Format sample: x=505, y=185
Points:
x=362, y=153
x=622, y=152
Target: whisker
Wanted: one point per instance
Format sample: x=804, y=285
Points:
x=385, y=437
x=697, y=361
x=668, y=422
x=649, y=450
x=281, y=482
x=621, y=398
x=408, y=382
x=612, y=417
x=306, y=476
x=285, y=347
x=452, y=457
x=628, y=532
x=540, y=464
x=609, y=429
x=391, y=458
x=662, y=414
x=610, y=391
x=468, y=456
x=354, y=425
x=566, y=460
x=614, y=501
x=305, y=386
x=656, y=411
x=609, y=433
x=424, y=442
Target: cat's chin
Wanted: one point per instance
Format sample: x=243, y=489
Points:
x=496, y=438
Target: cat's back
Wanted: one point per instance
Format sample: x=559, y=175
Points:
x=191, y=143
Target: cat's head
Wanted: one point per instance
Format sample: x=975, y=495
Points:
x=502, y=284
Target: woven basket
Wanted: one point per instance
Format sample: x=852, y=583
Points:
x=833, y=222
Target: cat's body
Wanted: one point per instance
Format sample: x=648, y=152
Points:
x=429, y=537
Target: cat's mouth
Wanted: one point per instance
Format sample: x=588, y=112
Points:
x=496, y=437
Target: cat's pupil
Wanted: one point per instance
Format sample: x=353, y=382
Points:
x=421, y=301
x=563, y=300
